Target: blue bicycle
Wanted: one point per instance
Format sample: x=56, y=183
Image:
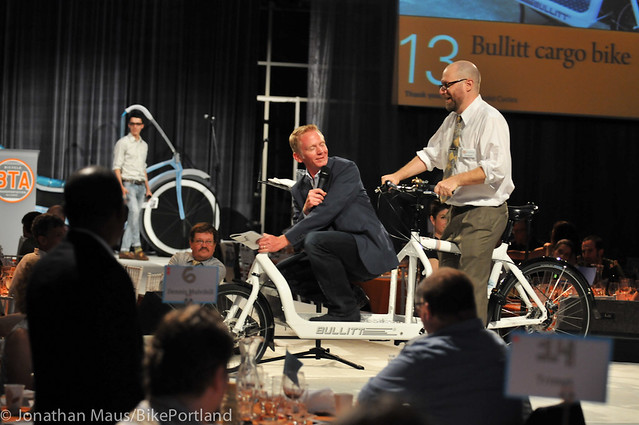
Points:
x=181, y=197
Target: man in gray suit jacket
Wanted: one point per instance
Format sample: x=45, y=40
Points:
x=335, y=224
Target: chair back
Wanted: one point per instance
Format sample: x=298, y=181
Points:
x=135, y=273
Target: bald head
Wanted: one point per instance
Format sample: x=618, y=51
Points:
x=465, y=69
x=460, y=85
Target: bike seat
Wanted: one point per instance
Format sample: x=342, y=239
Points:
x=516, y=213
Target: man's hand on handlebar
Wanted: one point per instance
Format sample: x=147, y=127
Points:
x=446, y=187
x=390, y=178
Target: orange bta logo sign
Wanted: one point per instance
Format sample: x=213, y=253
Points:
x=16, y=180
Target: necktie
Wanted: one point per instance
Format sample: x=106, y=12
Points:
x=453, y=152
x=196, y=263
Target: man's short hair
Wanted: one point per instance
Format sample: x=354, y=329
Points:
x=27, y=219
x=92, y=195
x=188, y=348
x=294, y=138
x=598, y=241
x=449, y=294
x=44, y=223
x=135, y=114
x=204, y=228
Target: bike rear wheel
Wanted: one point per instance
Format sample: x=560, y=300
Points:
x=561, y=288
x=232, y=300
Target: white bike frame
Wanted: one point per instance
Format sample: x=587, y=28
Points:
x=371, y=326
x=388, y=326
x=415, y=250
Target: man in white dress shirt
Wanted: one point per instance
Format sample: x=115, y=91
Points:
x=473, y=147
x=129, y=165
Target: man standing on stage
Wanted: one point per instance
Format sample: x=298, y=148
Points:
x=129, y=165
x=472, y=146
x=335, y=224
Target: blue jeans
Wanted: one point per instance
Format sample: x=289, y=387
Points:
x=134, y=201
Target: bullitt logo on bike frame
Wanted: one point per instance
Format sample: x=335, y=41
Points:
x=16, y=180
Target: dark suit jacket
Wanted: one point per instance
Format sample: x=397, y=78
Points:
x=346, y=208
x=84, y=330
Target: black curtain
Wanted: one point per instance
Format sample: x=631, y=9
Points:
x=69, y=68
x=581, y=169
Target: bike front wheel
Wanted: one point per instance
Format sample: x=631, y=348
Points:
x=162, y=226
x=561, y=288
x=232, y=300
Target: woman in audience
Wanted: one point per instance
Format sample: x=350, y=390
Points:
x=565, y=250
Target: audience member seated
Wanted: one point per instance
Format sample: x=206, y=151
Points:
x=48, y=230
x=592, y=255
x=455, y=373
x=565, y=250
x=203, y=239
x=189, y=382
x=560, y=230
x=522, y=242
x=57, y=210
x=27, y=244
x=439, y=220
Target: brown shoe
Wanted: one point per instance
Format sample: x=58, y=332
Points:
x=140, y=255
x=126, y=255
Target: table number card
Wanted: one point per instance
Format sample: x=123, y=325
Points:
x=190, y=284
x=549, y=365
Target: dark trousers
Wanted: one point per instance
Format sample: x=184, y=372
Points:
x=334, y=263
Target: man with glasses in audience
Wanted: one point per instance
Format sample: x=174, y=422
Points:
x=203, y=239
x=455, y=374
x=472, y=146
x=129, y=165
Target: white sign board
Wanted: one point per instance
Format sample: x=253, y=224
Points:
x=563, y=366
x=190, y=284
x=18, y=174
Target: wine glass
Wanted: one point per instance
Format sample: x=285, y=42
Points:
x=270, y=398
x=294, y=392
x=624, y=289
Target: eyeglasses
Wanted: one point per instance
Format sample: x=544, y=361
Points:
x=136, y=123
x=201, y=242
x=446, y=86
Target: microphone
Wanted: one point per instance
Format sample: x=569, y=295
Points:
x=325, y=173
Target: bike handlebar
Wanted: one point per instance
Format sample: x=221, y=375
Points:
x=418, y=186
